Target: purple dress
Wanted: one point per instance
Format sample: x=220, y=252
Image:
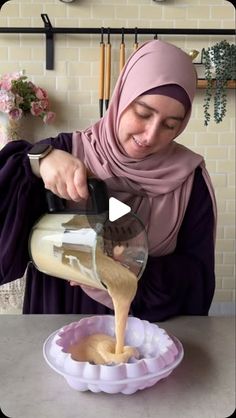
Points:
x=181, y=283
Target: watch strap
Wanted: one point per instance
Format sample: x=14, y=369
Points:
x=35, y=155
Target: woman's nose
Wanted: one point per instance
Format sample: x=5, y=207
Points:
x=151, y=133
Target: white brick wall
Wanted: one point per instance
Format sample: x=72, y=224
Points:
x=73, y=84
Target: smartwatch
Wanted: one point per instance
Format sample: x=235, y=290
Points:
x=37, y=153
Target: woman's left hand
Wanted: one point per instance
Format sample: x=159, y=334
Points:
x=99, y=295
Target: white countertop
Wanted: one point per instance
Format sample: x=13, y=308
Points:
x=202, y=386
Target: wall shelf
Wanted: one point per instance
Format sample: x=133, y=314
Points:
x=50, y=31
x=202, y=84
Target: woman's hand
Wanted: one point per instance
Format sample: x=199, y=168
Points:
x=99, y=295
x=65, y=175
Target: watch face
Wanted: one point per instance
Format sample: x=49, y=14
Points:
x=39, y=149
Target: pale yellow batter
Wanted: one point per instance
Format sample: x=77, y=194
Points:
x=121, y=285
x=100, y=349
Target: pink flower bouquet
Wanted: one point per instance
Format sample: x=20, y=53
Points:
x=19, y=96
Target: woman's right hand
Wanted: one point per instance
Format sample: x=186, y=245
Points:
x=65, y=175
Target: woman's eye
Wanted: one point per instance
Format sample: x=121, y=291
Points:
x=143, y=115
x=170, y=127
x=140, y=112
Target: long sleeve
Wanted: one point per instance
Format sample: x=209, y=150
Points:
x=22, y=201
x=182, y=283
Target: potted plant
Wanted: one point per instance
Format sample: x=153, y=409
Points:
x=19, y=97
x=219, y=61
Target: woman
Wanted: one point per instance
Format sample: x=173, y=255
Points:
x=150, y=107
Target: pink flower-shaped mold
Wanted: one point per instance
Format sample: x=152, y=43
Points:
x=159, y=355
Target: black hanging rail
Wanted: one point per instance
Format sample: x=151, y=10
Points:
x=50, y=31
x=128, y=31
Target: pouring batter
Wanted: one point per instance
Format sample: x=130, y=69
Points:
x=100, y=348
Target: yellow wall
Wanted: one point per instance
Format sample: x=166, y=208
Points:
x=73, y=84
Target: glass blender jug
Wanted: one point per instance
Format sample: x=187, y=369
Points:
x=66, y=242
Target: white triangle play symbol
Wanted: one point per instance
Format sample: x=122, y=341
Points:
x=117, y=209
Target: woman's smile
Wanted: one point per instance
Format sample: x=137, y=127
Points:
x=140, y=144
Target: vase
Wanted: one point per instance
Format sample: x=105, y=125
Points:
x=28, y=128
x=9, y=129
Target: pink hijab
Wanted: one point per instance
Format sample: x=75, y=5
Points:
x=157, y=187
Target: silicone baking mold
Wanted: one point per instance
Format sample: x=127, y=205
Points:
x=159, y=353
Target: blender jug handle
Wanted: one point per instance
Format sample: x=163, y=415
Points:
x=98, y=201
x=99, y=196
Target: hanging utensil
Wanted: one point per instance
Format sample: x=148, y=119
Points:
x=122, y=51
x=101, y=75
x=136, y=39
x=108, y=70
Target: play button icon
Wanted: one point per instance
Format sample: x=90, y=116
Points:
x=117, y=209
x=116, y=221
